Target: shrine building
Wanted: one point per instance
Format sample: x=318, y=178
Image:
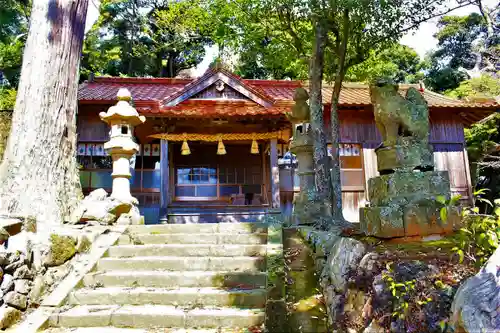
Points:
x=217, y=145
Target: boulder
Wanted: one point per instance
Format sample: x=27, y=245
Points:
x=8, y=316
x=83, y=243
x=124, y=219
x=62, y=248
x=344, y=256
x=22, y=286
x=16, y=300
x=24, y=272
x=37, y=290
x=97, y=195
x=22, y=243
x=7, y=283
x=97, y=206
x=476, y=305
x=11, y=268
x=4, y=259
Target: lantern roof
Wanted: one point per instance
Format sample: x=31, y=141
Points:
x=122, y=111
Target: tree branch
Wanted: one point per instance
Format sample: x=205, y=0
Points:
x=417, y=23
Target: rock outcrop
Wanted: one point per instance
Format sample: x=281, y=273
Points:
x=476, y=307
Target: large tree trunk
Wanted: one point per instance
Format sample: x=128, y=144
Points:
x=321, y=159
x=39, y=175
x=338, y=216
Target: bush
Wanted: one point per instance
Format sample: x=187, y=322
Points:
x=479, y=237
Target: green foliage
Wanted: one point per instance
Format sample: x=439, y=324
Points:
x=448, y=204
x=14, y=16
x=480, y=237
x=147, y=38
x=481, y=88
x=399, y=64
x=7, y=98
x=399, y=292
x=465, y=43
x=274, y=38
x=481, y=138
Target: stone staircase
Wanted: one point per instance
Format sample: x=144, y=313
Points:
x=180, y=277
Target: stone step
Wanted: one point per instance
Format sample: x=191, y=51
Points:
x=197, y=228
x=154, y=316
x=166, y=279
x=182, y=297
x=242, y=264
x=187, y=250
x=139, y=330
x=187, y=238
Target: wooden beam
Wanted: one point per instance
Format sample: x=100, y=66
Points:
x=275, y=174
x=164, y=181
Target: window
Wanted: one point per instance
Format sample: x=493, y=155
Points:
x=351, y=166
x=97, y=167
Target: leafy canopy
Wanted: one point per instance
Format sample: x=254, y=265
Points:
x=147, y=38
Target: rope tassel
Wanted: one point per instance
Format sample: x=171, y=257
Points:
x=185, y=148
x=221, y=150
x=255, y=147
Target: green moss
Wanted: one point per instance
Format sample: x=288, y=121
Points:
x=430, y=249
x=62, y=248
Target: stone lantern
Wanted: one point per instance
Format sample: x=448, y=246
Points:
x=122, y=118
x=302, y=146
x=307, y=208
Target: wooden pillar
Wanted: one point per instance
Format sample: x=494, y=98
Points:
x=165, y=182
x=275, y=175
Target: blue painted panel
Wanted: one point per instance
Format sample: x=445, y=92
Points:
x=135, y=181
x=151, y=214
x=85, y=178
x=101, y=179
x=151, y=179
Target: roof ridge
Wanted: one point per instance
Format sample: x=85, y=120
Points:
x=136, y=80
x=214, y=71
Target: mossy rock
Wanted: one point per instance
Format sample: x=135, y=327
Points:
x=62, y=248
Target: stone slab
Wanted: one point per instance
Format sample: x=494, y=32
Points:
x=185, y=297
x=187, y=250
x=384, y=222
x=207, y=238
x=406, y=155
x=426, y=220
x=146, y=316
x=153, y=316
x=238, y=228
x=407, y=187
x=224, y=317
x=165, y=279
x=84, y=316
x=242, y=264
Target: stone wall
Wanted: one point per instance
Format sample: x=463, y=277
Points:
x=374, y=286
x=5, y=122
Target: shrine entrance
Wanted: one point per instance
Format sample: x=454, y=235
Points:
x=236, y=177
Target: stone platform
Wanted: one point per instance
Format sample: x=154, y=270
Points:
x=403, y=204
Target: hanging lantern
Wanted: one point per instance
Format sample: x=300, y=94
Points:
x=255, y=147
x=221, y=150
x=185, y=147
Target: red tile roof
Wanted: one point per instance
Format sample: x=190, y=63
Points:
x=152, y=94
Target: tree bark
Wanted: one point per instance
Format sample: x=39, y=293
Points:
x=39, y=174
x=321, y=159
x=338, y=216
